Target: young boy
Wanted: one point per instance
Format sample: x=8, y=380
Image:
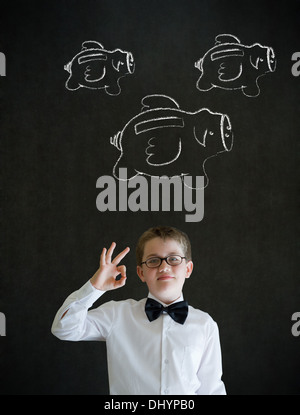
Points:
x=151, y=349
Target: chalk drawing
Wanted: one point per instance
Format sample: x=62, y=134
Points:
x=163, y=140
x=97, y=68
x=231, y=65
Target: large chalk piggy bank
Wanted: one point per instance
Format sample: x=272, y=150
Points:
x=163, y=140
x=97, y=68
x=231, y=65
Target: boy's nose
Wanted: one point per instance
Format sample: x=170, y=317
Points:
x=164, y=265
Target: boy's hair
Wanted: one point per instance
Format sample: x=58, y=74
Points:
x=163, y=232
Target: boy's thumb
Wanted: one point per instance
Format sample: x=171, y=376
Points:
x=122, y=270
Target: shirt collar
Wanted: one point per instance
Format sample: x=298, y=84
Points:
x=165, y=305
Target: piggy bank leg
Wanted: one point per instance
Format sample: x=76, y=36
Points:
x=122, y=172
x=251, y=90
x=203, y=84
x=113, y=89
x=72, y=84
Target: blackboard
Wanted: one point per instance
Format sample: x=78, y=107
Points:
x=57, y=142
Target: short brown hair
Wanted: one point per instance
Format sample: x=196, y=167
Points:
x=163, y=232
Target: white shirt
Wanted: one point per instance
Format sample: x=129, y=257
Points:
x=146, y=358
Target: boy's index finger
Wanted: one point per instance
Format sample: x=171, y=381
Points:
x=120, y=256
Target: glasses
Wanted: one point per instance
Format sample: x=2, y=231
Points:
x=172, y=260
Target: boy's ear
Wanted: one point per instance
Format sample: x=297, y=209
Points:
x=140, y=273
x=189, y=268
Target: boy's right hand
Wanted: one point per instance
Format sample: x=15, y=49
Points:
x=104, y=278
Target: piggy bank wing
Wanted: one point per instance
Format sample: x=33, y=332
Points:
x=229, y=60
x=162, y=151
x=228, y=72
x=162, y=126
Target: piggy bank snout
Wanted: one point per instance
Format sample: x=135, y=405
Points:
x=226, y=133
x=130, y=62
x=271, y=59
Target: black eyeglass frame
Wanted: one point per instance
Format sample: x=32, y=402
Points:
x=164, y=259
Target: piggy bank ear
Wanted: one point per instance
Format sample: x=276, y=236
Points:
x=201, y=126
x=257, y=54
x=117, y=64
x=254, y=60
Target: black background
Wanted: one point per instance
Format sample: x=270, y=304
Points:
x=55, y=144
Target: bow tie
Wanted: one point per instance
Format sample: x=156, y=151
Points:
x=178, y=311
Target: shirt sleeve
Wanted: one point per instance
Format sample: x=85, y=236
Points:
x=210, y=370
x=74, y=322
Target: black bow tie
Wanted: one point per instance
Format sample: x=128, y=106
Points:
x=178, y=311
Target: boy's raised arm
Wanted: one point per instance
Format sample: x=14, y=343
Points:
x=72, y=321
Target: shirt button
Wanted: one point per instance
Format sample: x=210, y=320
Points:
x=166, y=391
x=166, y=361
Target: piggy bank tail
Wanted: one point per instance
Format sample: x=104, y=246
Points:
x=68, y=66
x=116, y=140
x=203, y=83
x=199, y=65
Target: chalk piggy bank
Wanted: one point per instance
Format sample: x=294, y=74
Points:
x=97, y=68
x=231, y=65
x=163, y=140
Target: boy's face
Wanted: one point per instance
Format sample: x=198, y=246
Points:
x=166, y=281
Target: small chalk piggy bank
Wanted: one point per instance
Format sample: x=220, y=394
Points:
x=97, y=68
x=231, y=65
x=163, y=140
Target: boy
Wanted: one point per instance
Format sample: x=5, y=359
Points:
x=151, y=349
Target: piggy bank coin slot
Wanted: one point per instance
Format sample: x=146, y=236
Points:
x=158, y=123
x=92, y=57
x=226, y=53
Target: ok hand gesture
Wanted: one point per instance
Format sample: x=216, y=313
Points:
x=104, y=278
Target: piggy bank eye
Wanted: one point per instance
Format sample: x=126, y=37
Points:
x=211, y=133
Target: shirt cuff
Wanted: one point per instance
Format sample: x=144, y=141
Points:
x=88, y=294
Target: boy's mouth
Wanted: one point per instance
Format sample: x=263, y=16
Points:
x=165, y=277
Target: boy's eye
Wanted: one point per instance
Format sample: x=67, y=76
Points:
x=153, y=261
x=174, y=260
